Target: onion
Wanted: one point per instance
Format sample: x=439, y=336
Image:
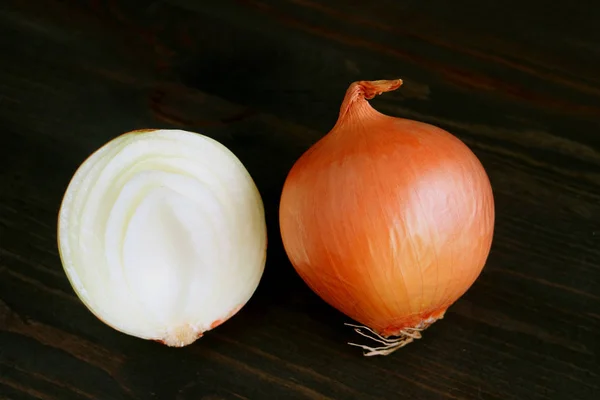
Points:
x=388, y=220
x=162, y=235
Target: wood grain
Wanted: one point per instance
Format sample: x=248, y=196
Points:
x=516, y=80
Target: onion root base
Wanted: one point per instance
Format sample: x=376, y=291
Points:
x=390, y=344
x=182, y=336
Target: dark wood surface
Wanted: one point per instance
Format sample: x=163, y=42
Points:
x=518, y=81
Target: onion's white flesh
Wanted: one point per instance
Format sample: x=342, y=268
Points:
x=162, y=234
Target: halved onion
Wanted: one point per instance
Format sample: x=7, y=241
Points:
x=162, y=234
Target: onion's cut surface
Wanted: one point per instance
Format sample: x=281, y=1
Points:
x=162, y=234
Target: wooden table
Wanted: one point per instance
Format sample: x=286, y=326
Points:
x=518, y=81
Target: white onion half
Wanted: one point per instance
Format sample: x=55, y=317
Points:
x=162, y=234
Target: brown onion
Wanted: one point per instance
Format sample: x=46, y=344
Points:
x=388, y=220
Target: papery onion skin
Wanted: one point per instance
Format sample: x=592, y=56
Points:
x=162, y=235
x=388, y=220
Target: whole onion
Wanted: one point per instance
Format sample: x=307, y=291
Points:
x=388, y=220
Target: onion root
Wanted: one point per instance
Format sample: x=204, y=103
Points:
x=391, y=343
